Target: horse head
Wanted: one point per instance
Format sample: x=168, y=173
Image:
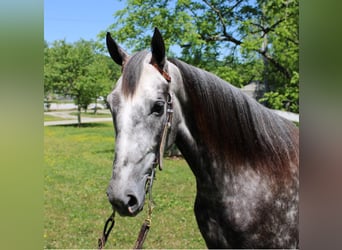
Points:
x=139, y=106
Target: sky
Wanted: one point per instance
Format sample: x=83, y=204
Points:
x=75, y=19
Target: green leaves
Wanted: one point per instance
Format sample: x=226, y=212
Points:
x=286, y=97
x=78, y=71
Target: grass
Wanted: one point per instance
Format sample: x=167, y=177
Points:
x=78, y=165
x=91, y=114
x=48, y=117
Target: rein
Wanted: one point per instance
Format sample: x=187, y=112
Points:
x=109, y=225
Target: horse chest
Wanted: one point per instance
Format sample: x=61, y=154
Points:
x=246, y=214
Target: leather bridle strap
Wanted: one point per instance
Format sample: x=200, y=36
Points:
x=166, y=129
x=162, y=72
x=169, y=113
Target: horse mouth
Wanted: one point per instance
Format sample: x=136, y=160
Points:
x=127, y=211
x=133, y=213
x=130, y=209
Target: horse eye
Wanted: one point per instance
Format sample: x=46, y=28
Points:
x=158, y=108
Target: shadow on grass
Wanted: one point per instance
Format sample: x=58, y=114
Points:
x=87, y=125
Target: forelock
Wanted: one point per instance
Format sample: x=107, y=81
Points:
x=132, y=72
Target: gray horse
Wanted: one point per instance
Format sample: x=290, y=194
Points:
x=245, y=157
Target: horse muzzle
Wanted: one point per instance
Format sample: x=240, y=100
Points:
x=127, y=202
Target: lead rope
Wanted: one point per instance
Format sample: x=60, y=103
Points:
x=147, y=223
x=106, y=231
x=145, y=226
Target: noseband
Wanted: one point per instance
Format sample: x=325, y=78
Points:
x=158, y=161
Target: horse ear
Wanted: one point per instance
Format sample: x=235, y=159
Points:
x=116, y=52
x=158, y=48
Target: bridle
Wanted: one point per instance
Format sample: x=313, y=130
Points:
x=169, y=116
x=158, y=161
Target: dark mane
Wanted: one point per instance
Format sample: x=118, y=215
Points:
x=131, y=73
x=237, y=128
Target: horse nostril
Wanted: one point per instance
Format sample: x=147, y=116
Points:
x=132, y=204
x=132, y=201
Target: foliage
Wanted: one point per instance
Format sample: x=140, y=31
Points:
x=77, y=169
x=78, y=71
x=241, y=41
x=286, y=96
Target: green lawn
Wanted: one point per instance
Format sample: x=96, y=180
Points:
x=78, y=165
x=48, y=118
x=91, y=114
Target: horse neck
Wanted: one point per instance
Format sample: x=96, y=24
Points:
x=222, y=128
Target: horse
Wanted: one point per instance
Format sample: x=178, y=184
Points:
x=245, y=158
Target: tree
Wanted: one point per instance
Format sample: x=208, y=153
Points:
x=76, y=70
x=238, y=40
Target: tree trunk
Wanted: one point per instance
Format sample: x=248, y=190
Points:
x=95, y=108
x=265, y=73
x=79, y=115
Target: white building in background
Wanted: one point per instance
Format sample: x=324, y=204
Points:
x=256, y=90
